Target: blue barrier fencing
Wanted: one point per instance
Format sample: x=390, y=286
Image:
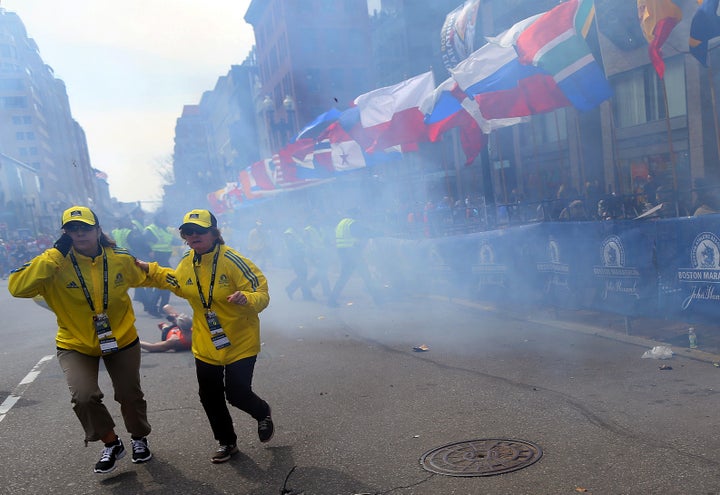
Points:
x=662, y=268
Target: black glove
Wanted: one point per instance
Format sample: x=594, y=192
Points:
x=63, y=244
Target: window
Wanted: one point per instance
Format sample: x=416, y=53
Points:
x=30, y=136
x=639, y=94
x=13, y=102
x=546, y=128
x=11, y=85
x=20, y=136
x=27, y=119
x=17, y=120
x=7, y=51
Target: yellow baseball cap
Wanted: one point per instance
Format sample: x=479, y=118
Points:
x=202, y=218
x=79, y=214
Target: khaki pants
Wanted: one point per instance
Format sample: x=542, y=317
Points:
x=81, y=374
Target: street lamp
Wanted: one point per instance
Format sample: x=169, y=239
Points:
x=280, y=131
x=289, y=105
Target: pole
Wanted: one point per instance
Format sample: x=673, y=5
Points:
x=581, y=157
x=488, y=187
x=670, y=148
x=498, y=145
x=613, y=135
x=714, y=107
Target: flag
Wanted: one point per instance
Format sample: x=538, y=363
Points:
x=449, y=107
x=555, y=42
x=503, y=87
x=225, y=199
x=263, y=174
x=457, y=37
x=391, y=115
x=472, y=138
x=317, y=164
x=704, y=27
x=657, y=20
x=249, y=186
x=217, y=205
x=314, y=128
x=347, y=154
x=99, y=174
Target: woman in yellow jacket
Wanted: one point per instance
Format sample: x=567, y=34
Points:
x=226, y=292
x=84, y=279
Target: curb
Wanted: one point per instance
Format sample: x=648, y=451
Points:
x=694, y=354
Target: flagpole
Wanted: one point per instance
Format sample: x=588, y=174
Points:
x=502, y=167
x=581, y=157
x=670, y=148
x=714, y=107
x=613, y=136
x=559, y=146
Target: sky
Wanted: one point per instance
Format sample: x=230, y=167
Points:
x=129, y=67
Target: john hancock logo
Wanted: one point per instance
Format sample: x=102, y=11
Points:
x=490, y=273
x=557, y=272
x=616, y=277
x=704, y=274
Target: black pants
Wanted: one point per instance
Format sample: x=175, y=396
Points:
x=301, y=278
x=351, y=261
x=234, y=382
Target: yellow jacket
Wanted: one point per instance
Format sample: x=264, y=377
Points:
x=53, y=277
x=240, y=323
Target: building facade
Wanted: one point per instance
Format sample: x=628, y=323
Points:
x=312, y=55
x=45, y=161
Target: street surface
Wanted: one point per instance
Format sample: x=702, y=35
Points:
x=355, y=407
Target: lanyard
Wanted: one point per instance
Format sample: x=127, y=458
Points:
x=207, y=303
x=84, y=287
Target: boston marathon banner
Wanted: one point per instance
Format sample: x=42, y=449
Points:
x=689, y=268
x=457, y=38
x=667, y=268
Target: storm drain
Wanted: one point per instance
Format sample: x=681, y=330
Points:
x=483, y=457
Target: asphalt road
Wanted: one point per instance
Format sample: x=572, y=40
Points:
x=356, y=408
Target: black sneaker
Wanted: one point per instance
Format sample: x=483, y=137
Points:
x=141, y=452
x=266, y=429
x=112, y=452
x=224, y=453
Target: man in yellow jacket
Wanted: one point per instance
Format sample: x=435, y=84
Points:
x=84, y=279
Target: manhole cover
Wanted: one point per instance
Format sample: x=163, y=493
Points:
x=484, y=457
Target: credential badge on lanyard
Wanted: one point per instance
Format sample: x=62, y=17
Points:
x=101, y=322
x=217, y=334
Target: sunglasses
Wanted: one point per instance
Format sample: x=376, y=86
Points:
x=78, y=227
x=186, y=231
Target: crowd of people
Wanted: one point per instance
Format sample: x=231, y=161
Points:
x=650, y=198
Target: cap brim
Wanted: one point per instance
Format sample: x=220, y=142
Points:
x=187, y=224
x=79, y=220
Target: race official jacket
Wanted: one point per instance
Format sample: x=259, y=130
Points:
x=241, y=323
x=163, y=239
x=343, y=234
x=53, y=277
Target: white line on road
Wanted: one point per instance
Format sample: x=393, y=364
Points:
x=22, y=386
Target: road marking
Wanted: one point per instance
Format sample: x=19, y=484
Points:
x=22, y=386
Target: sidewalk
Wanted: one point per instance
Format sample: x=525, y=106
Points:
x=644, y=332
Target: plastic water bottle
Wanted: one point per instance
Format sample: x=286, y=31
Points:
x=692, y=338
